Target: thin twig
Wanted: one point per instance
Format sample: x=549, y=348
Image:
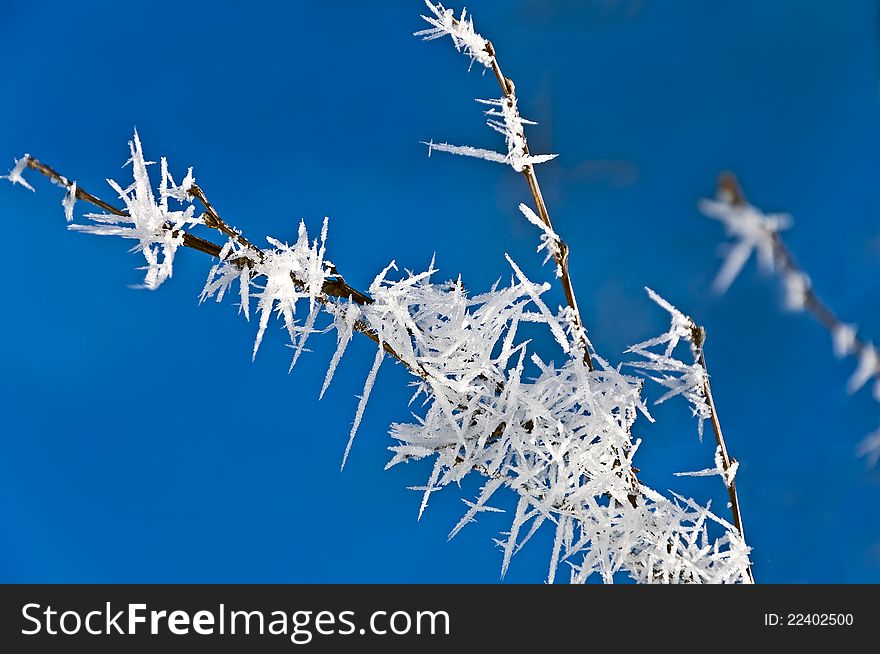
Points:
x=190, y=241
x=332, y=288
x=698, y=336
x=561, y=255
x=212, y=219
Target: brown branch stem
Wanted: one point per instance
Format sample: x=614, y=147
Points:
x=189, y=240
x=698, y=336
x=212, y=220
x=814, y=304
x=561, y=255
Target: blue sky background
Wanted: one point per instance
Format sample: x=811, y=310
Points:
x=140, y=444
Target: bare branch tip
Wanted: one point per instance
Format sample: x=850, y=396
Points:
x=730, y=190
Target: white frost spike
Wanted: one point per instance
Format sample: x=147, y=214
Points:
x=180, y=193
x=68, y=201
x=681, y=327
x=224, y=273
x=278, y=288
x=461, y=30
x=315, y=273
x=534, y=291
x=15, y=176
x=480, y=505
x=365, y=396
x=376, y=285
x=291, y=272
x=752, y=231
x=797, y=286
x=557, y=547
x=315, y=276
x=305, y=331
x=214, y=286
x=489, y=155
x=870, y=448
x=344, y=320
x=518, y=520
x=431, y=487
x=467, y=151
x=843, y=339
x=868, y=368
x=244, y=283
x=549, y=239
x=706, y=472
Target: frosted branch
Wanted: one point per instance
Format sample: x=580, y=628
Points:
x=753, y=230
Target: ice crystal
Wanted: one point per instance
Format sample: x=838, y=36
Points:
x=15, y=176
x=680, y=378
x=158, y=230
x=550, y=240
x=465, y=39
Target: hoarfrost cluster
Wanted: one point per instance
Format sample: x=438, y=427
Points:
x=280, y=277
x=680, y=378
x=443, y=22
x=158, y=230
x=511, y=126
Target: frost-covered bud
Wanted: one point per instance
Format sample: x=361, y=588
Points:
x=797, y=286
x=843, y=339
x=68, y=201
